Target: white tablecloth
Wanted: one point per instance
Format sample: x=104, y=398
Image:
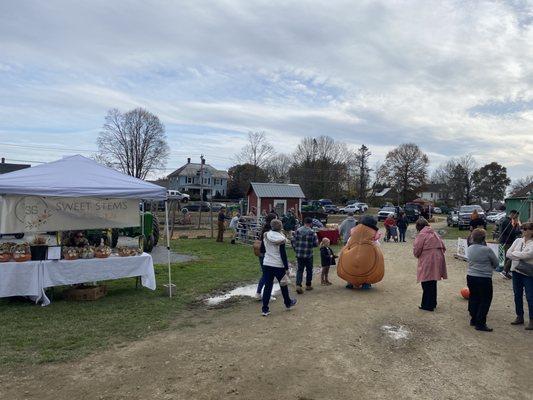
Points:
x=21, y=279
x=32, y=277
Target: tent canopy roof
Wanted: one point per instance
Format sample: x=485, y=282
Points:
x=78, y=176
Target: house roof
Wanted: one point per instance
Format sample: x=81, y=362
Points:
x=523, y=193
x=432, y=188
x=278, y=190
x=190, y=169
x=382, y=192
x=7, y=167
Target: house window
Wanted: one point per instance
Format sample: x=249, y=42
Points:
x=189, y=179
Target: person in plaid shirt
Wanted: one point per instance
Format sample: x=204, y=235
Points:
x=303, y=241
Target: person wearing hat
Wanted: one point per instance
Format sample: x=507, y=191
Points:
x=221, y=220
x=429, y=249
x=361, y=261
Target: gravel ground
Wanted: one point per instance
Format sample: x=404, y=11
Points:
x=335, y=344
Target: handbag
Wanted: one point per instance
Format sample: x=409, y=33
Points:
x=257, y=247
x=525, y=268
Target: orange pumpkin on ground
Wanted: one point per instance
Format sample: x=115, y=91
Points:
x=361, y=261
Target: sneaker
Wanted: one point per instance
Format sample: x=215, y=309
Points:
x=258, y=296
x=299, y=290
x=505, y=275
x=518, y=321
x=293, y=303
x=366, y=286
x=265, y=313
x=309, y=287
x=349, y=286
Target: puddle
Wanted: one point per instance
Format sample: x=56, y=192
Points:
x=246, y=291
x=396, y=332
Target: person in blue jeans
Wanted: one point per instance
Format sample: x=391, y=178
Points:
x=303, y=241
x=261, y=257
x=521, y=254
x=275, y=265
x=402, y=224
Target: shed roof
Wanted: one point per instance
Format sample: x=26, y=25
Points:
x=7, y=167
x=523, y=193
x=278, y=190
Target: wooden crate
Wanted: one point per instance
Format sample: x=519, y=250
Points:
x=90, y=293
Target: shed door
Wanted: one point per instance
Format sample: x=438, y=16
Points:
x=280, y=206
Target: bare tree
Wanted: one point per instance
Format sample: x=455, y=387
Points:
x=278, y=168
x=258, y=150
x=133, y=142
x=406, y=168
x=521, y=183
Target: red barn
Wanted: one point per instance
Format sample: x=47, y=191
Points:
x=279, y=197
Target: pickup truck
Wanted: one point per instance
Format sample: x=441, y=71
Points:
x=465, y=213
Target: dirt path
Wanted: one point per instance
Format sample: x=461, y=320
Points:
x=331, y=346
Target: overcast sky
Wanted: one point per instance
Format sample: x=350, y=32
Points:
x=454, y=77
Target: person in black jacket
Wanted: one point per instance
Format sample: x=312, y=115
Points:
x=402, y=224
x=509, y=231
x=327, y=259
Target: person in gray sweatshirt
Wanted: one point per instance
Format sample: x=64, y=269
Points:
x=481, y=264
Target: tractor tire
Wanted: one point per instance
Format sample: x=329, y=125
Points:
x=149, y=244
x=114, y=238
x=155, y=230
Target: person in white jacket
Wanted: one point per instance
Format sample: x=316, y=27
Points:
x=522, y=251
x=275, y=265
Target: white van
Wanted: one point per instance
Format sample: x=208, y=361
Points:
x=177, y=195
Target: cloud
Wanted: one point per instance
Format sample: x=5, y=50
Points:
x=454, y=77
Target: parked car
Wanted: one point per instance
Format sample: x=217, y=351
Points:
x=353, y=201
x=453, y=218
x=325, y=202
x=412, y=211
x=385, y=211
x=465, y=213
x=437, y=210
x=331, y=208
x=177, y=195
x=195, y=206
x=495, y=216
x=217, y=206
x=351, y=208
x=16, y=235
x=362, y=206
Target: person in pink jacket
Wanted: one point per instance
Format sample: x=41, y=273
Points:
x=429, y=249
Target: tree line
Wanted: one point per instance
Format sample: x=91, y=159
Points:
x=326, y=168
x=135, y=142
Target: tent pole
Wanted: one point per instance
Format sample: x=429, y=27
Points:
x=168, y=250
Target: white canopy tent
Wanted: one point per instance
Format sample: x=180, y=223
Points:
x=75, y=190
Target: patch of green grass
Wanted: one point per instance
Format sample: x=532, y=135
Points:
x=64, y=330
x=453, y=232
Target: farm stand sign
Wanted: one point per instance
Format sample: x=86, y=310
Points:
x=46, y=214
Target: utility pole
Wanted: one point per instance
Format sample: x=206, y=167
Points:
x=202, y=162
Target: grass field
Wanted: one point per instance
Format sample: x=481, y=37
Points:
x=454, y=232
x=65, y=330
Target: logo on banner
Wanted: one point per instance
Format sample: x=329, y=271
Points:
x=33, y=212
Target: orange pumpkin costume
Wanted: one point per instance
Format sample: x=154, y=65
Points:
x=361, y=261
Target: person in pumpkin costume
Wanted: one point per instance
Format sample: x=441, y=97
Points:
x=361, y=261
